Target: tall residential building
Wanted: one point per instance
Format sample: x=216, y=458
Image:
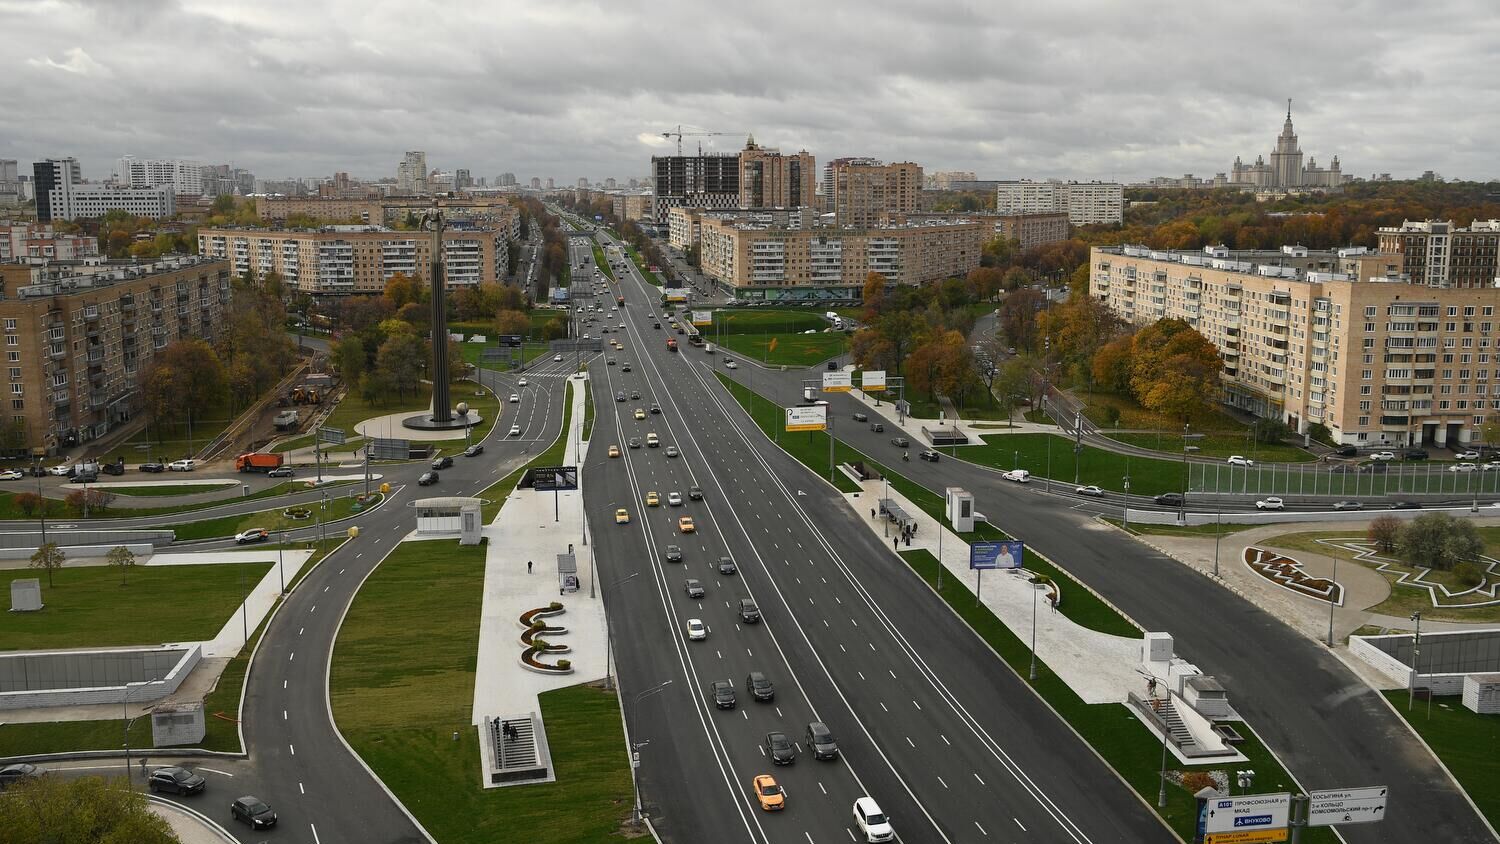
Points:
x=536, y=183
x=694, y=181
x=769, y=179
x=1085, y=203
x=1032, y=229
x=944, y=179
x=1027, y=197
x=338, y=260
x=63, y=195
x=1436, y=254
x=632, y=206
x=551, y=183
x=684, y=225
x=786, y=264
x=38, y=242
x=1285, y=170
x=864, y=193
x=11, y=190
x=1339, y=338
x=411, y=173
x=80, y=335
x=462, y=179
x=492, y=211
x=183, y=177
x=506, y=180
x=825, y=185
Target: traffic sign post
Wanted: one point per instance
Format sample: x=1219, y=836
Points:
x=1247, y=819
x=1346, y=805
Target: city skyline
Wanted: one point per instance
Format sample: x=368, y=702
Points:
x=1019, y=95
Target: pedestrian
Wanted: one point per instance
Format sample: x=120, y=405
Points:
x=528, y=567
x=896, y=543
x=908, y=541
x=872, y=512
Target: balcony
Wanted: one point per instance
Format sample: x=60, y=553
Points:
x=1395, y=421
x=127, y=304
x=91, y=313
x=61, y=398
x=57, y=353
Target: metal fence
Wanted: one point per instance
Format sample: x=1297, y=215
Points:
x=1341, y=480
x=71, y=536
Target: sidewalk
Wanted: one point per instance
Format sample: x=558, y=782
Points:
x=1099, y=667
x=527, y=530
x=912, y=426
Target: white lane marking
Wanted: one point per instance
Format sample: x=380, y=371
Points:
x=301, y=789
x=842, y=648
x=910, y=742
x=341, y=571
x=945, y=739
x=314, y=608
x=976, y=776
x=291, y=656
x=215, y=771
x=316, y=839
x=917, y=705
x=981, y=830
x=1018, y=823
x=283, y=684
x=861, y=674
x=300, y=629
x=293, y=749
x=892, y=673
x=942, y=783
x=283, y=714
x=821, y=788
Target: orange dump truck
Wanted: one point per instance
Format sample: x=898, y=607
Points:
x=258, y=461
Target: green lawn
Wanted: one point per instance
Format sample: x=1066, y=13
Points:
x=1132, y=415
x=788, y=349
x=1215, y=445
x=810, y=447
x=398, y=699
x=1466, y=743
x=762, y=321
x=338, y=507
x=529, y=351
x=87, y=607
x=1132, y=750
x=57, y=509
x=173, y=441
x=1107, y=469
x=169, y=489
x=603, y=263
x=353, y=409
x=1181, y=530
x=588, y=413
x=497, y=492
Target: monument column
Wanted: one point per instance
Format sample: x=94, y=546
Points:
x=442, y=409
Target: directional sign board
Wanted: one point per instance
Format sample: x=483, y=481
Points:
x=872, y=380
x=703, y=317
x=1005, y=554
x=1247, y=819
x=332, y=435
x=1346, y=805
x=838, y=382
x=800, y=418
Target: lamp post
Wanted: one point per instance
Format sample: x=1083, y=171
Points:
x=1186, y=481
x=129, y=721
x=1161, y=792
x=1036, y=589
x=1416, y=655
x=635, y=746
x=1219, y=533
x=280, y=571
x=609, y=634
x=1333, y=591
x=36, y=470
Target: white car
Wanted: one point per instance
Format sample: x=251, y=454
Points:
x=1272, y=503
x=182, y=465
x=1090, y=490
x=12, y=475
x=521, y=383
x=1383, y=455
x=62, y=470
x=872, y=823
x=1467, y=455
x=674, y=499
x=731, y=365
x=1020, y=476
x=557, y=358
x=696, y=629
x=1463, y=467
x=1490, y=466
x=1240, y=460
x=515, y=398
x=515, y=431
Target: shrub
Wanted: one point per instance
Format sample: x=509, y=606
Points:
x=554, y=606
x=565, y=663
x=1196, y=781
x=1384, y=531
x=1320, y=433
x=1468, y=574
x=29, y=503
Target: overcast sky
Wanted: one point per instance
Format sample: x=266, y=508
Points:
x=1123, y=90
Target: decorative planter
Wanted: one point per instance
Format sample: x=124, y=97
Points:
x=297, y=513
x=529, y=662
x=532, y=642
x=530, y=616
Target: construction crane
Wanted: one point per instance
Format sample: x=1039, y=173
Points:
x=679, y=134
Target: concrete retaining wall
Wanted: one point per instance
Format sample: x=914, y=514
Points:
x=1378, y=659
x=140, y=550
x=1258, y=517
x=30, y=539
x=76, y=678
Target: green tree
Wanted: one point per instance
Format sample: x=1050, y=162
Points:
x=49, y=558
x=184, y=379
x=87, y=809
x=1018, y=317
x=400, y=361
x=1175, y=370
x=1439, y=541
x=350, y=358
x=401, y=288
x=1385, y=532
x=122, y=557
x=509, y=321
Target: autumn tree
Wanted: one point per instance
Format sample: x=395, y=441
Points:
x=512, y=322
x=186, y=379
x=1174, y=369
x=122, y=557
x=1018, y=317
x=349, y=357
x=91, y=500
x=1385, y=532
x=874, y=295
x=401, y=288
x=91, y=809
x=1077, y=329
x=1112, y=366
x=400, y=361
x=29, y=503
x=49, y=558
x=984, y=283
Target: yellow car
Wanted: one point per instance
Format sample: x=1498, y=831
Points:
x=684, y=524
x=771, y=796
x=652, y=500
x=640, y=414
x=614, y=451
x=622, y=516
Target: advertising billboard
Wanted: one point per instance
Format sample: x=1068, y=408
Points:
x=703, y=317
x=1002, y=554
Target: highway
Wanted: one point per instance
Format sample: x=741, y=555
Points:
x=950, y=742
x=1326, y=725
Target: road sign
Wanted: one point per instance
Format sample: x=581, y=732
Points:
x=703, y=317
x=838, y=382
x=1246, y=836
x=804, y=418
x=1261, y=814
x=332, y=435
x=872, y=380
x=1003, y=554
x=509, y=339
x=1346, y=805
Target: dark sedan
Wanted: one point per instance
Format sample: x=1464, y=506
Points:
x=253, y=811
x=780, y=748
x=175, y=780
x=427, y=479
x=723, y=692
x=153, y=466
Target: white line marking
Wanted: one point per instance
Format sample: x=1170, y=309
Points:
x=293, y=749
x=1018, y=823
x=976, y=776
x=981, y=830
x=316, y=839
x=940, y=782
x=216, y=771
x=301, y=789
x=910, y=742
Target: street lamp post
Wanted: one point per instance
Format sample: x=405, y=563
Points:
x=1218, y=534
x=1332, y=592
x=635, y=746
x=280, y=571
x=609, y=634
x=1036, y=589
x=1416, y=656
x=129, y=721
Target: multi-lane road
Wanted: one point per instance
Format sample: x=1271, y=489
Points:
x=930, y=723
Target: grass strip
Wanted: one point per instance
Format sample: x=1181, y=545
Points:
x=1464, y=740
x=588, y=412
x=87, y=606
x=57, y=508
x=399, y=699
x=168, y=489
x=272, y=520
x=603, y=263
x=1124, y=742
x=787, y=349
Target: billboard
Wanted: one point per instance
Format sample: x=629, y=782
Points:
x=550, y=478
x=1002, y=554
x=807, y=418
x=509, y=339
x=837, y=382
x=872, y=380
x=332, y=435
x=703, y=317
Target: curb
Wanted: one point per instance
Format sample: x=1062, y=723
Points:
x=82, y=755
x=212, y=826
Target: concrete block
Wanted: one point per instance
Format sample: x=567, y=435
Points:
x=26, y=595
x=177, y=724
x=1156, y=647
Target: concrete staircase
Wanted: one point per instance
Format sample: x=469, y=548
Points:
x=1175, y=728
x=523, y=757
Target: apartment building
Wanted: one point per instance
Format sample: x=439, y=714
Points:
x=945, y=179
x=632, y=206
x=1032, y=229
x=863, y=193
x=498, y=211
x=1339, y=338
x=37, y=241
x=1085, y=203
x=769, y=179
x=80, y=334
x=181, y=177
x=61, y=194
x=692, y=181
x=342, y=260
x=781, y=263
x=684, y=225
x=1436, y=254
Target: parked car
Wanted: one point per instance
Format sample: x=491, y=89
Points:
x=253, y=811
x=442, y=462
x=12, y=475
x=1348, y=505
x=723, y=694
x=693, y=587
x=186, y=465
x=782, y=750
x=252, y=535
x=929, y=455
x=1240, y=460
x=1383, y=456
x=1347, y=451
x=1169, y=499
x=1270, y=503
x=175, y=780
x=19, y=772
x=1090, y=490
x=820, y=741
x=1414, y=454
x=427, y=479
x=1020, y=476
x=1467, y=455
x=1490, y=466
x=1464, y=467
x=61, y=470
x=282, y=472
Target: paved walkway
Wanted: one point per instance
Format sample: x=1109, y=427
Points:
x=912, y=425
x=526, y=529
x=1099, y=667
x=389, y=426
x=190, y=828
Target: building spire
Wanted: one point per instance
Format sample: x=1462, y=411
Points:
x=1289, y=109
